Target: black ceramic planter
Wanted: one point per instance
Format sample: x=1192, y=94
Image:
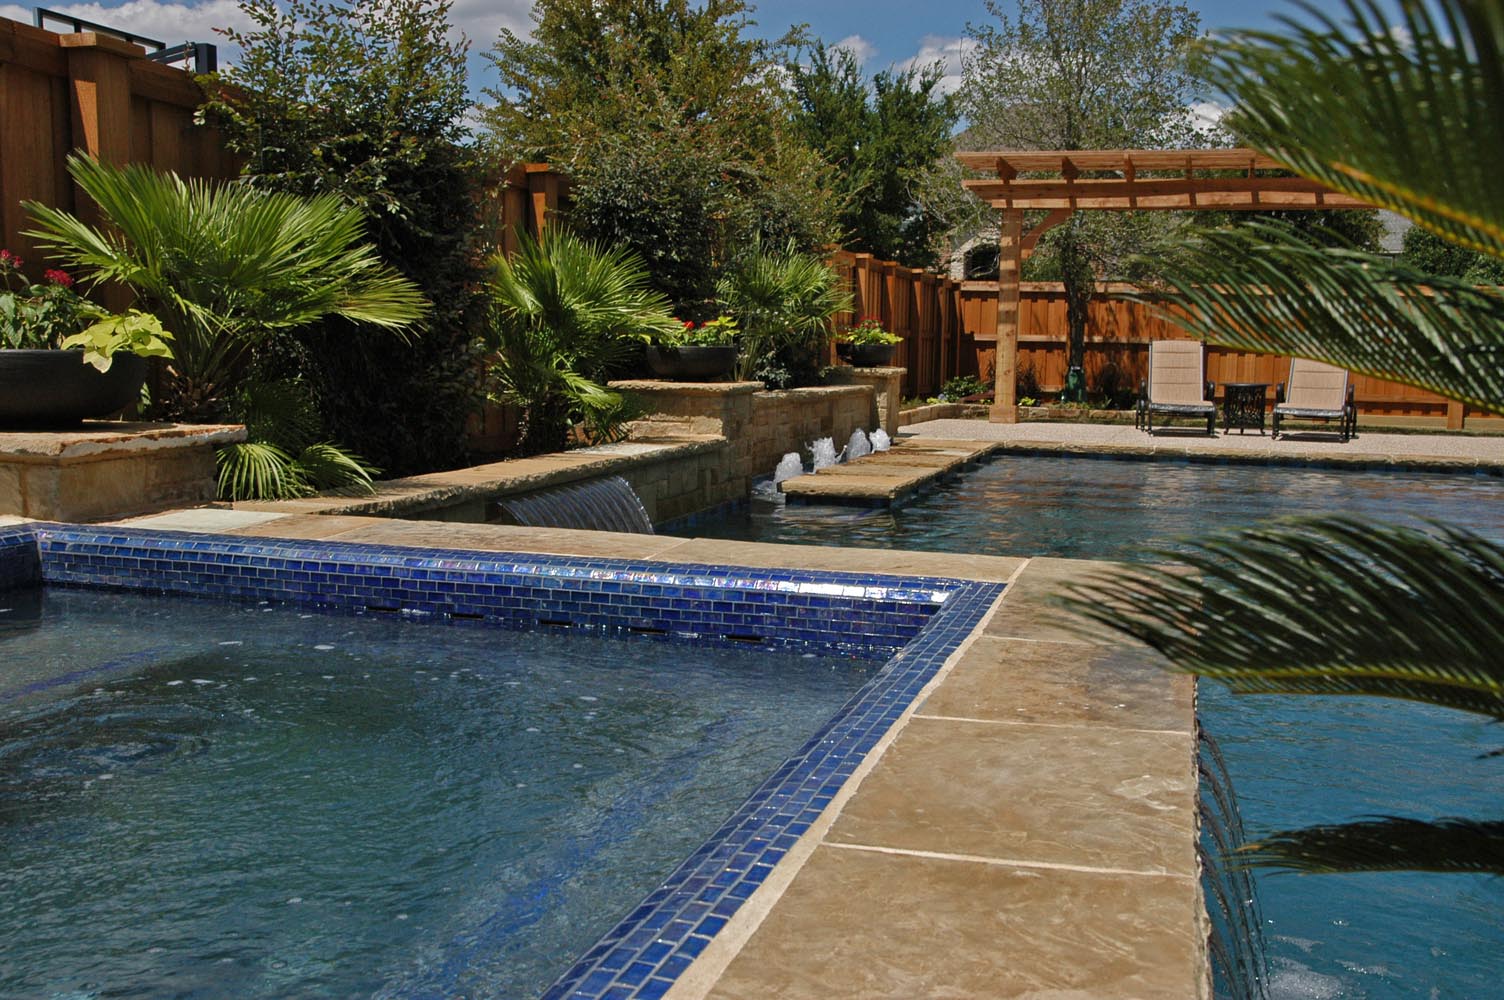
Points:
x=865, y=355
x=43, y=389
x=692, y=363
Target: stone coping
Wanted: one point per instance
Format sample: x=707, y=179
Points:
x=1444, y=453
x=479, y=482
x=687, y=388
x=107, y=439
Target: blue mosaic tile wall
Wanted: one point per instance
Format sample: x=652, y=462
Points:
x=913, y=623
x=20, y=565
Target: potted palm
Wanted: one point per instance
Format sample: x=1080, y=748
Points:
x=696, y=350
x=867, y=345
x=63, y=359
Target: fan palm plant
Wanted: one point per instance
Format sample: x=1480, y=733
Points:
x=1411, y=120
x=563, y=313
x=783, y=301
x=223, y=266
x=226, y=267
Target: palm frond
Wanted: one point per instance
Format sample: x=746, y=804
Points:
x=1262, y=287
x=330, y=469
x=778, y=298
x=1322, y=606
x=1385, y=843
x=1419, y=119
x=280, y=410
x=256, y=470
x=224, y=265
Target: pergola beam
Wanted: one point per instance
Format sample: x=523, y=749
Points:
x=1116, y=180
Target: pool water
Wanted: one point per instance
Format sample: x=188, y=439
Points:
x=1293, y=761
x=209, y=800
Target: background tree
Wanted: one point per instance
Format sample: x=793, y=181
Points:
x=1428, y=252
x=667, y=118
x=1083, y=74
x=887, y=140
x=368, y=102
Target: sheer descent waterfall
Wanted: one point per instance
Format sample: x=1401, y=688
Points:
x=607, y=504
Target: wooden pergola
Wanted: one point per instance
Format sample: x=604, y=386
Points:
x=1061, y=182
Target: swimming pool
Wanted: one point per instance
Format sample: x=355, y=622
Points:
x=1293, y=761
x=430, y=911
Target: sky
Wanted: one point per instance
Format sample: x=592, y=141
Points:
x=881, y=33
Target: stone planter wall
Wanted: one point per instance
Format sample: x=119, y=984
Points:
x=759, y=426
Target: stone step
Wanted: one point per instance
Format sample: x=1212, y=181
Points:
x=886, y=478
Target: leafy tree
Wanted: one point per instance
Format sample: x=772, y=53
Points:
x=563, y=313
x=1428, y=252
x=1083, y=74
x=1328, y=605
x=367, y=102
x=664, y=116
x=886, y=142
x=229, y=269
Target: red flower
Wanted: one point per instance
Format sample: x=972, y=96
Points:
x=8, y=259
x=689, y=324
x=58, y=277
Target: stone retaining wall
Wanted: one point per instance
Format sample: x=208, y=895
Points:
x=760, y=426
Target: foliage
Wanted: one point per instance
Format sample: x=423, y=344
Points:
x=563, y=313
x=223, y=266
x=868, y=331
x=719, y=332
x=1429, y=253
x=133, y=332
x=1328, y=605
x=886, y=141
x=961, y=386
x=662, y=115
x=784, y=303
x=298, y=463
x=368, y=102
x=1083, y=74
x=37, y=315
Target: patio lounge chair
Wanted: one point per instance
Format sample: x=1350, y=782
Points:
x=1176, y=385
x=1317, y=391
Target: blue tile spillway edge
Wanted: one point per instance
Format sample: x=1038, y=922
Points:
x=915, y=623
x=20, y=562
x=641, y=958
x=871, y=617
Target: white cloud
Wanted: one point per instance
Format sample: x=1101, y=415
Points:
x=860, y=49
x=482, y=20
x=168, y=22
x=949, y=51
x=1208, y=114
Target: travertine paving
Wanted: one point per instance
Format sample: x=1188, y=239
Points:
x=1435, y=452
x=888, y=477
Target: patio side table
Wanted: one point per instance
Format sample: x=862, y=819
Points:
x=1243, y=406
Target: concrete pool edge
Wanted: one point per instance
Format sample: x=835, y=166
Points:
x=1059, y=693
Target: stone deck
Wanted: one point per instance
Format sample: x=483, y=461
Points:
x=1027, y=828
x=889, y=477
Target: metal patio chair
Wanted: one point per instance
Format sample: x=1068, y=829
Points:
x=1176, y=385
x=1317, y=391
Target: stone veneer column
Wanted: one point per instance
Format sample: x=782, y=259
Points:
x=887, y=391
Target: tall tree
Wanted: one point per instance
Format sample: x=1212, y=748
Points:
x=1082, y=74
x=665, y=114
x=886, y=140
x=368, y=102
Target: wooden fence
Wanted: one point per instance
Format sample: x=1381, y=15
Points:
x=93, y=93
x=949, y=328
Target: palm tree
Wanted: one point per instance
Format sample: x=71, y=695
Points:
x=225, y=268
x=563, y=313
x=784, y=302
x=1409, y=117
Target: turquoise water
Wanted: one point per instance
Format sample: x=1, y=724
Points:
x=202, y=800
x=1292, y=761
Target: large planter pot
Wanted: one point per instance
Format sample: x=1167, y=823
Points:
x=865, y=355
x=42, y=389
x=692, y=363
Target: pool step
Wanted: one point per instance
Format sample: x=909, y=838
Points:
x=887, y=478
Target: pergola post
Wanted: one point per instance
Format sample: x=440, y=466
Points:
x=1010, y=260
